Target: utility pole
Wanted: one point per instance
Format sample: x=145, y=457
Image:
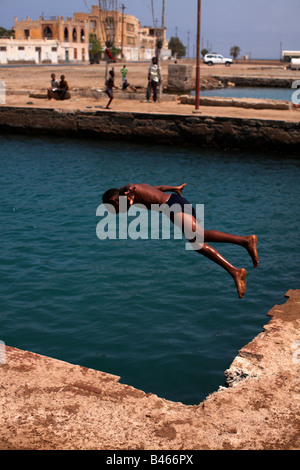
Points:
x=197, y=100
x=122, y=33
x=108, y=25
x=159, y=34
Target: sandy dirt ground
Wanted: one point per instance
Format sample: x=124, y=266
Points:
x=21, y=81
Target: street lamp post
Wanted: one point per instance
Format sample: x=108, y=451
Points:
x=198, y=58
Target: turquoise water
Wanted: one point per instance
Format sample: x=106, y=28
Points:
x=252, y=92
x=166, y=320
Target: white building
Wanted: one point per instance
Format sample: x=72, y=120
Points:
x=41, y=51
x=35, y=51
x=289, y=55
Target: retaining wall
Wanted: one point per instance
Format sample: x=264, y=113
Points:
x=246, y=81
x=189, y=130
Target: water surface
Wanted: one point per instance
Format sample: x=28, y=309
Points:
x=266, y=93
x=166, y=320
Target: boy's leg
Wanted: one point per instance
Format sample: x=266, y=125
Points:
x=154, y=86
x=193, y=231
x=248, y=242
x=238, y=275
x=148, y=93
x=110, y=99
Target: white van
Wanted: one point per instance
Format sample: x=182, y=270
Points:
x=295, y=64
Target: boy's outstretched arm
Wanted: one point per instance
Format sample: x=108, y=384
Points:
x=129, y=188
x=174, y=189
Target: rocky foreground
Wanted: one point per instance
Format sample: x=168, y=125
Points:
x=49, y=404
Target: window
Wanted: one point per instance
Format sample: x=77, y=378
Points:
x=74, y=35
x=48, y=33
x=75, y=53
x=26, y=33
x=82, y=37
x=21, y=48
x=2, y=48
x=66, y=34
x=54, y=49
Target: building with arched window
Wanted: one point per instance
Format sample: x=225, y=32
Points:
x=113, y=28
x=71, y=35
x=132, y=40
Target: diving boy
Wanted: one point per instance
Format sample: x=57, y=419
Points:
x=185, y=218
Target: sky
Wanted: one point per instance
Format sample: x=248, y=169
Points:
x=261, y=28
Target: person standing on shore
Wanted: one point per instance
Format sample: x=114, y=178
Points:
x=124, y=75
x=153, y=80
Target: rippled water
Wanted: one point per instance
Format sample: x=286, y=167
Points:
x=266, y=93
x=166, y=320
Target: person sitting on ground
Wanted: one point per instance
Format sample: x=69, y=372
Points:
x=183, y=215
x=53, y=88
x=63, y=88
x=125, y=84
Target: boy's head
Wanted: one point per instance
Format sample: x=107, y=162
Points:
x=111, y=198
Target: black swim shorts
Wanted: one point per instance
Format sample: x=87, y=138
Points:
x=178, y=204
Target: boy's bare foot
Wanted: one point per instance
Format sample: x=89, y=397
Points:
x=180, y=188
x=252, y=250
x=240, y=281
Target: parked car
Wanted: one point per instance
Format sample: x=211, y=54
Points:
x=211, y=59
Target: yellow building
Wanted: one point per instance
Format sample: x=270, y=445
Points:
x=123, y=31
x=113, y=28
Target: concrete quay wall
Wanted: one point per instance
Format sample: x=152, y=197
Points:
x=47, y=404
x=175, y=129
x=250, y=81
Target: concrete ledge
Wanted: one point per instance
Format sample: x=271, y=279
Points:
x=98, y=94
x=174, y=129
x=47, y=404
x=252, y=81
x=248, y=103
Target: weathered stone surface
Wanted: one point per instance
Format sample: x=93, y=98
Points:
x=49, y=404
x=238, y=103
x=252, y=81
x=197, y=130
x=180, y=77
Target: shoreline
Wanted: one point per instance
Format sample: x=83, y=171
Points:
x=48, y=404
x=224, y=127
